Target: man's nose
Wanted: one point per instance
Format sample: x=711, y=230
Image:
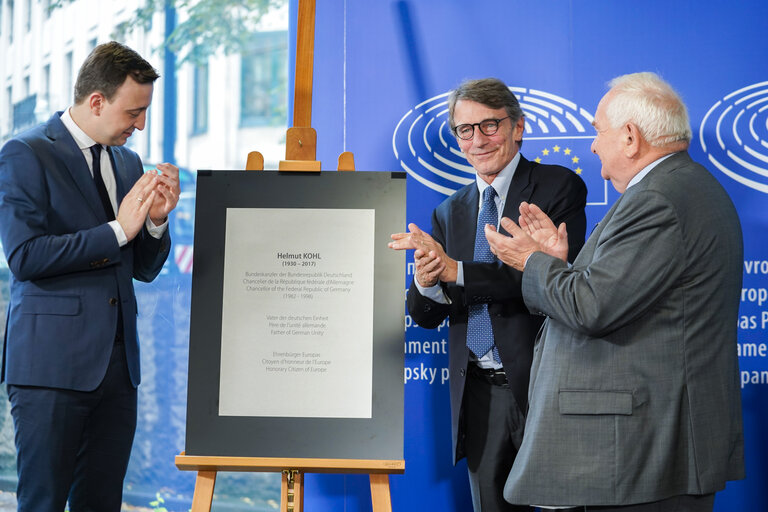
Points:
x=141, y=121
x=479, y=138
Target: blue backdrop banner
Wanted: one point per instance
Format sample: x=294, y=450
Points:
x=383, y=71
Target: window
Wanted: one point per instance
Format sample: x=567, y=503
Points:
x=263, y=80
x=9, y=106
x=10, y=21
x=24, y=113
x=45, y=87
x=68, y=75
x=200, y=100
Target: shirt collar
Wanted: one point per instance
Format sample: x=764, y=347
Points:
x=81, y=138
x=648, y=168
x=502, y=180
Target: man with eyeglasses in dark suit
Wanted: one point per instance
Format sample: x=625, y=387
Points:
x=492, y=332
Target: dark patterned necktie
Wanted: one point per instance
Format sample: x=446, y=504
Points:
x=110, y=212
x=479, y=330
x=102, y=189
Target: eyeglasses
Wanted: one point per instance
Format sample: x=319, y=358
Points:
x=487, y=127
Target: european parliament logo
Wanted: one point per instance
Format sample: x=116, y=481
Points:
x=557, y=131
x=734, y=136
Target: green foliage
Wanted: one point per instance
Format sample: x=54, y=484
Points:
x=204, y=27
x=157, y=504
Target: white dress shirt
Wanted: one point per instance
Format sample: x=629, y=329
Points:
x=501, y=184
x=84, y=142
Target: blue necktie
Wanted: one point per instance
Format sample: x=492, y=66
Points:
x=102, y=189
x=479, y=330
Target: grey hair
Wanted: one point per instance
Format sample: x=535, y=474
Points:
x=490, y=92
x=651, y=104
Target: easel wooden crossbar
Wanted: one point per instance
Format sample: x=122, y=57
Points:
x=292, y=469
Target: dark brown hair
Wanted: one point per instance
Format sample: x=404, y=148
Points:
x=491, y=92
x=107, y=67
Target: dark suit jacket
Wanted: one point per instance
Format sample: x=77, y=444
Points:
x=635, y=392
x=68, y=270
x=562, y=195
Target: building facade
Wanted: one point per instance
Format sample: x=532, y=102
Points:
x=225, y=108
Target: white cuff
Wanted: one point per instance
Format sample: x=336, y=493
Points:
x=119, y=233
x=156, y=231
x=435, y=292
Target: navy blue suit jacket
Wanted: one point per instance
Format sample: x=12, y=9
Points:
x=68, y=271
x=562, y=195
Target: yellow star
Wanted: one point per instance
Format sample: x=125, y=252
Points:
x=538, y=159
x=578, y=170
x=545, y=152
x=567, y=151
x=575, y=159
x=557, y=149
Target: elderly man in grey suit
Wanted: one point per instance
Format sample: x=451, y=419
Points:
x=634, y=394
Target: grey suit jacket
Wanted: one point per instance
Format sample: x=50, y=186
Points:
x=634, y=394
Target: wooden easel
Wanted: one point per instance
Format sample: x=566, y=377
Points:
x=300, y=155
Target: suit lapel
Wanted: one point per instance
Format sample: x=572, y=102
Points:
x=74, y=161
x=520, y=189
x=118, y=167
x=465, y=219
x=588, y=251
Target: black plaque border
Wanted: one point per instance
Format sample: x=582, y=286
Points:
x=207, y=433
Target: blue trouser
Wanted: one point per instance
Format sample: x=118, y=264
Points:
x=74, y=445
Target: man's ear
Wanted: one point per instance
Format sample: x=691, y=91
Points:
x=631, y=139
x=96, y=102
x=518, y=130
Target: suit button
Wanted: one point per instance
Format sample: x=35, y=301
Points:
x=112, y=301
x=462, y=372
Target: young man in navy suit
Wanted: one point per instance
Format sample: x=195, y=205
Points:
x=492, y=333
x=79, y=220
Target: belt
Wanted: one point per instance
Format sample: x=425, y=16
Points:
x=495, y=376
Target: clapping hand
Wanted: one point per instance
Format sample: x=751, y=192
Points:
x=553, y=240
x=136, y=205
x=168, y=190
x=432, y=264
x=536, y=232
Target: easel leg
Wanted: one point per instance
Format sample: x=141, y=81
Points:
x=380, y=497
x=203, y=497
x=292, y=491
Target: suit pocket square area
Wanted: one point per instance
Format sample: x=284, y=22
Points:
x=50, y=305
x=587, y=401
